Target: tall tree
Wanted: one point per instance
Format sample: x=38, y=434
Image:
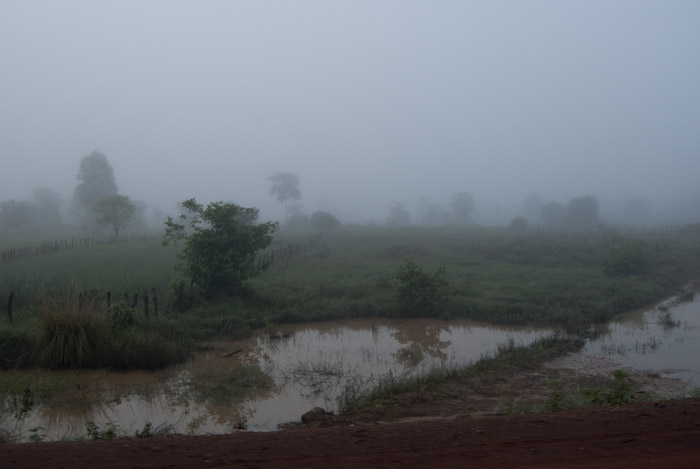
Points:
x=582, y=212
x=96, y=182
x=398, y=215
x=429, y=210
x=285, y=186
x=15, y=214
x=553, y=215
x=47, y=206
x=463, y=207
x=115, y=211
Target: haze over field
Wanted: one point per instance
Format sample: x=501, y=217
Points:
x=370, y=102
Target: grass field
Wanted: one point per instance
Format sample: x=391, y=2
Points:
x=492, y=275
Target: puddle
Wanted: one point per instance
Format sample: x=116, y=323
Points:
x=663, y=341
x=277, y=376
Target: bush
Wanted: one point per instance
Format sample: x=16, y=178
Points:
x=324, y=221
x=221, y=244
x=419, y=293
x=121, y=317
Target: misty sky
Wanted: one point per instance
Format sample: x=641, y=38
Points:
x=369, y=102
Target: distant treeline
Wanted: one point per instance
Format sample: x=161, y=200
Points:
x=47, y=247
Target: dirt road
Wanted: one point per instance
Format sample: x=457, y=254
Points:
x=661, y=434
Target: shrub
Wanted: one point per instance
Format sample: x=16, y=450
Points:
x=421, y=293
x=121, y=317
x=324, y=221
x=221, y=244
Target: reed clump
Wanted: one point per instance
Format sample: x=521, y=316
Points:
x=72, y=333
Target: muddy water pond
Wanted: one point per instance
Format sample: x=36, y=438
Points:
x=270, y=379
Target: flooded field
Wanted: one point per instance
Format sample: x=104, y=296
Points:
x=280, y=373
x=258, y=384
x=663, y=340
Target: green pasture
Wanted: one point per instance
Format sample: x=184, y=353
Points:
x=492, y=275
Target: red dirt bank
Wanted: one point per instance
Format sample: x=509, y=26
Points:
x=641, y=435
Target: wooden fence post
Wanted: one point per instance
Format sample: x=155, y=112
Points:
x=145, y=304
x=9, y=305
x=155, y=303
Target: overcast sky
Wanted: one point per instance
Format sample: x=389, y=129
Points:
x=369, y=102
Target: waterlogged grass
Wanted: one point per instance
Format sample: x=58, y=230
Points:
x=510, y=358
x=618, y=393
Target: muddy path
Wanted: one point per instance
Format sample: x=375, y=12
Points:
x=651, y=434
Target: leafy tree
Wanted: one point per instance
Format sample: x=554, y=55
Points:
x=47, y=206
x=636, y=209
x=532, y=206
x=220, y=244
x=420, y=293
x=463, y=207
x=15, y=214
x=430, y=211
x=324, y=221
x=285, y=186
x=398, y=215
x=582, y=212
x=96, y=183
x=553, y=215
x=115, y=211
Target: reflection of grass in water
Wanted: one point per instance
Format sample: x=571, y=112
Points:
x=649, y=345
x=66, y=389
x=667, y=322
x=317, y=376
x=241, y=382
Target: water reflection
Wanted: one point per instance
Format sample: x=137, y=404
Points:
x=280, y=373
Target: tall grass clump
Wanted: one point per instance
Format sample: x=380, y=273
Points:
x=72, y=333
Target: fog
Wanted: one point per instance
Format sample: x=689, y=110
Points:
x=370, y=103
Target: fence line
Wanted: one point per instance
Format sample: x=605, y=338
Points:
x=105, y=299
x=48, y=247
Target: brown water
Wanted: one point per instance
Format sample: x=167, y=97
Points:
x=279, y=374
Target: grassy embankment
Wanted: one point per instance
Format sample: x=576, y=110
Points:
x=61, y=318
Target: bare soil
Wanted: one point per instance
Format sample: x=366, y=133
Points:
x=453, y=426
